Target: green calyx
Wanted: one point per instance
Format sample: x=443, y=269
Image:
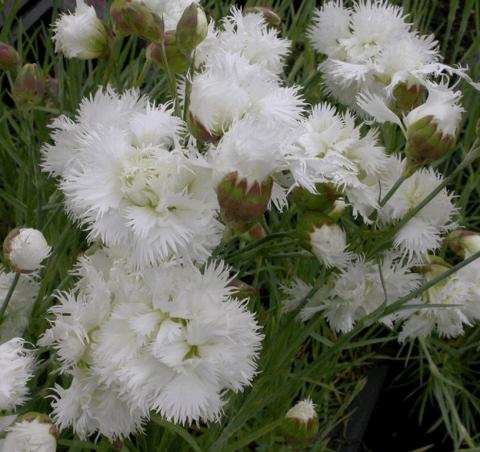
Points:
x=132, y=18
x=29, y=87
x=192, y=28
x=426, y=143
x=173, y=58
x=243, y=205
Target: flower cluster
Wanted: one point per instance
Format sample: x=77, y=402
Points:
x=169, y=339
x=130, y=182
x=371, y=47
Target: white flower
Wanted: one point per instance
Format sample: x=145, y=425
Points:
x=88, y=406
x=230, y=87
x=81, y=34
x=16, y=368
x=249, y=36
x=255, y=149
x=329, y=244
x=303, y=411
x=330, y=149
x=423, y=233
x=461, y=295
x=173, y=341
x=358, y=291
x=295, y=293
x=26, y=249
x=129, y=182
x=17, y=315
x=31, y=433
x=464, y=243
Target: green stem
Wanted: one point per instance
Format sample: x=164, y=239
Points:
x=9, y=295
x=188, y=86
x=394, y=188
x=171, y=79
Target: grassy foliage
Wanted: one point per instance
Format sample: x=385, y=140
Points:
x=298, y=360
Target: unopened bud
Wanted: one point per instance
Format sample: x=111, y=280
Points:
x=270, y=16
x=9, y=58
x=301, y=423
x=176, y=60
x=31, y=432
x=408, y=96
x=25, y=249
x=29, y=86
x=132, y=18
x=464, y=243
x=242, y=203
x=322, y=201
x=192, y=28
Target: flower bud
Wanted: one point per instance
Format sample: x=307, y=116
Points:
x=243, y=204
x=132, y=18
x=25, y=249
x=408, y=96
x=270, y=16
x=81, y=34
x=464, y=243
x=328, y=241
x=307, y=222
x=199, y=131
x=329, y=244
x=301, y=423
x=426, y=143
x=432, y=127
x=9, y=58
x=322, y=201
x=432, y=266
x=29, y=86
x=192, y=28
x=176, y=60
x=31, y=432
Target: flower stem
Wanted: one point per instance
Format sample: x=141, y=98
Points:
x=171, y=79
x=9, y=295
x=188, y=86
x=392, y=190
